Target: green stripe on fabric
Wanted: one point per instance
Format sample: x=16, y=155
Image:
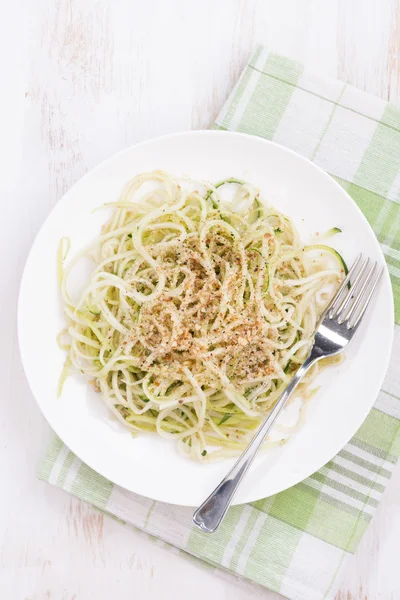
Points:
x=255, y=56
x=396, y=397
x=369, y=202
x=282, y=78
x=323, y=478
x=264, y=504
x=92, y=487
x=364, y=464
x=243, y=539
x=395, y=280
x=332, y=466
x=213, y=546
x=295, y=506
x=394, y=249
x=353, y=542
x=328, y=123
x=373, y=205
x=234, y=103
x=50, y=459
x=367, y=447
x=338, y=527
x=147, y=519
x=383, y=227
x=270, y=92
x=69, y=459
x=282, y=66
x=381, y=161
x=272, y=554
x=391, y=116
x=324, y=498
x=384, y=430
x=393, y=262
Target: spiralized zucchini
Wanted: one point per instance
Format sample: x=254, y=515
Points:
x=201, y=306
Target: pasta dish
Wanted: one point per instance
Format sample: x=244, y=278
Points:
x=202, y=303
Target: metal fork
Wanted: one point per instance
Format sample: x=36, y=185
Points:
x=335, y=330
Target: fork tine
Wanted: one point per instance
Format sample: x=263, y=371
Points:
x=357, y=299
x=353, y=270
x=353, y=290
x=353, y=324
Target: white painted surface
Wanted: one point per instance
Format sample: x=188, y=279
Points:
x=82, y=79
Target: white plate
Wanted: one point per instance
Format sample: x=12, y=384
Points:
x=151, y=466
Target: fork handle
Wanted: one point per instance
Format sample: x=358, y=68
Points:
x=209, y=515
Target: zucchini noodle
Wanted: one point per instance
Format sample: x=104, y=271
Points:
x=202, y=305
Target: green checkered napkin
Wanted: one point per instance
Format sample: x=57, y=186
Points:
x=296, y=542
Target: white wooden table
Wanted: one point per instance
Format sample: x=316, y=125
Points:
x=82, y=79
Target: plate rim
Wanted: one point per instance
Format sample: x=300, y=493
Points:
x=166, y=137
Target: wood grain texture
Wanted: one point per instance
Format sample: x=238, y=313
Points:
x=81, y=80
